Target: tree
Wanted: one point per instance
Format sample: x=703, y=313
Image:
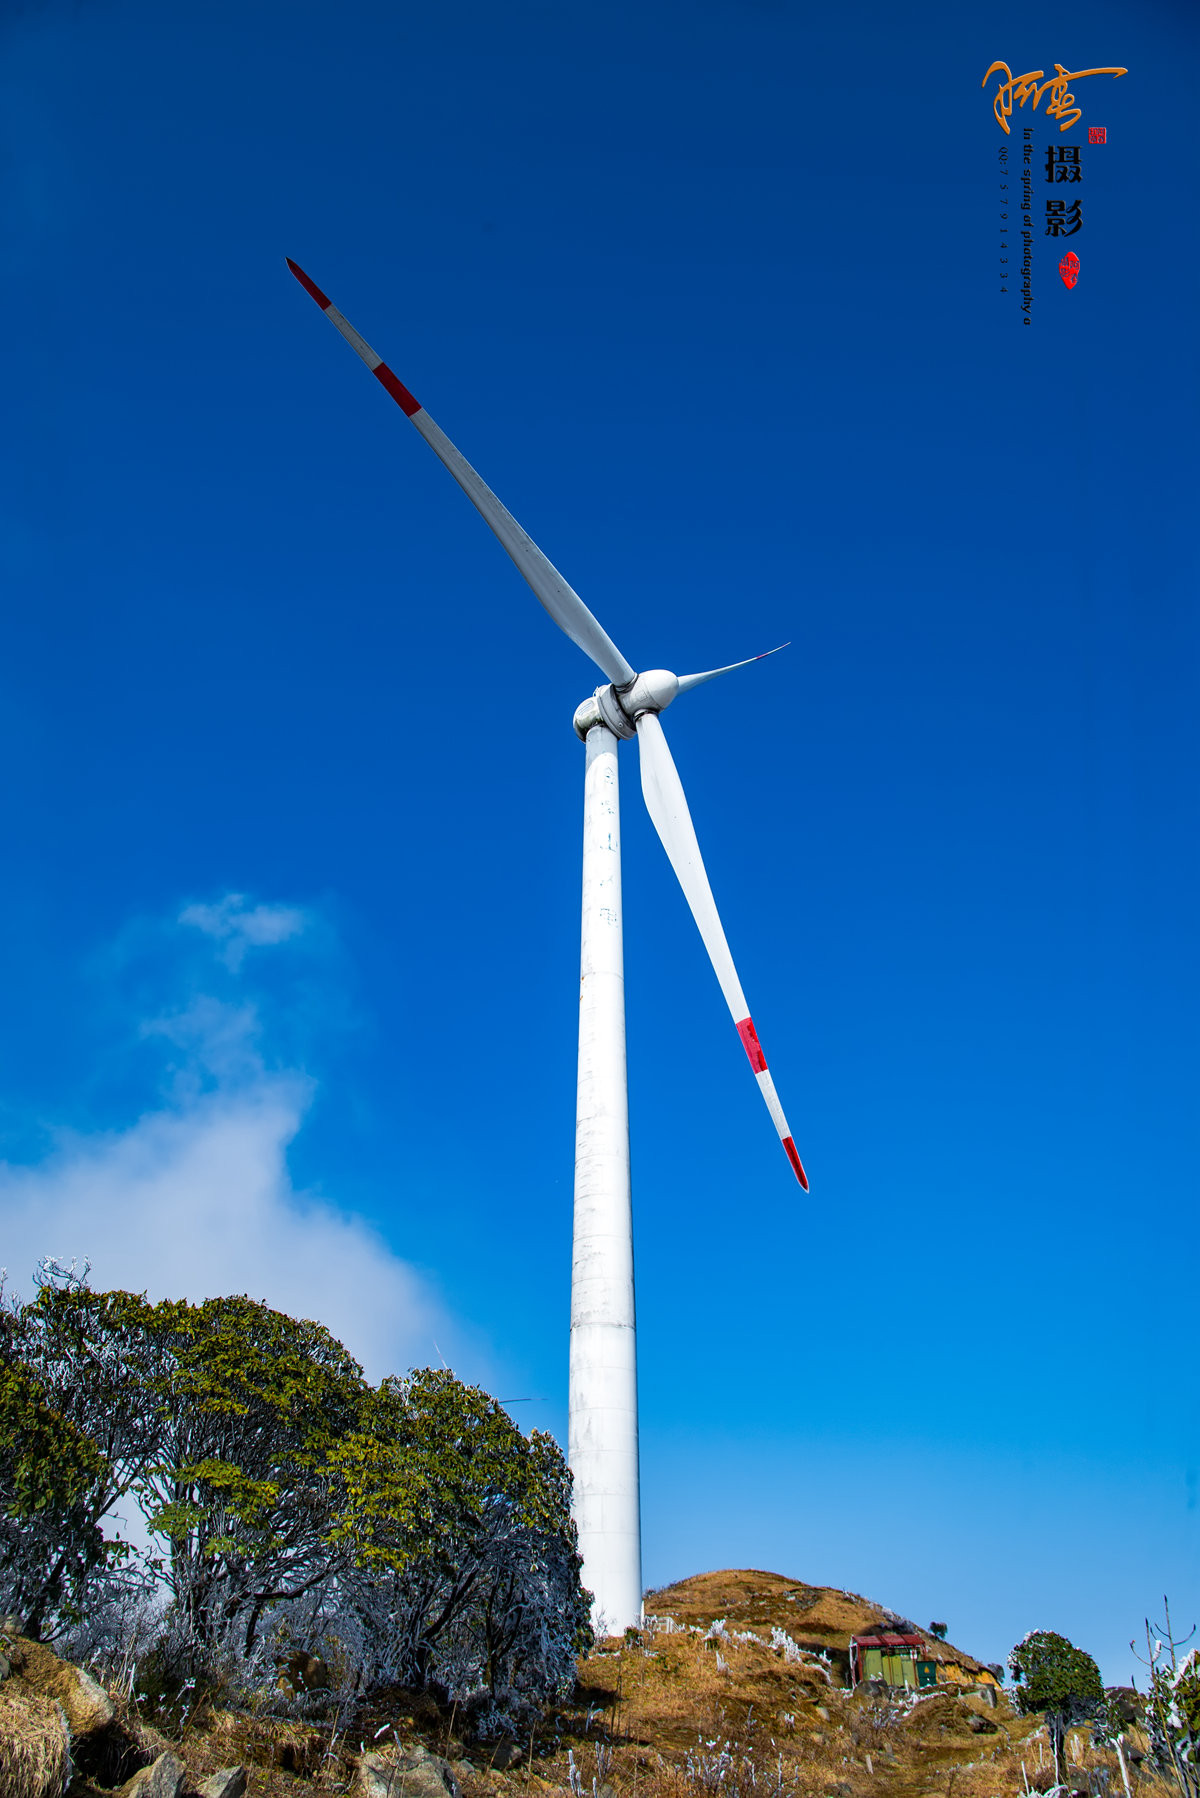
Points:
x=1054, y=1676
x=49, y=1545
x=252, y=1404
x=466, y=1570
x=76, y=1434
x=217, y=1420
x=534, y=1616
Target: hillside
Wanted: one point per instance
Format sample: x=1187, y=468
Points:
x=821, y=1618
x=679, y=1712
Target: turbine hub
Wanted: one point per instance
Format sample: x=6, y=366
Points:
x=619, y=708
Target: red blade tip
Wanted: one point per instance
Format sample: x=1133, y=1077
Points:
x=309, y=287
x=793, y=1156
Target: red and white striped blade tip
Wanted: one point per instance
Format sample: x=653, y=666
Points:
x=388, y=380
x=766, y=1086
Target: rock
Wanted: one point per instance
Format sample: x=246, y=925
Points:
x=403, y=1773
x=35, y=1745
x=505, y=1754
x=303, y=1673
x=5, y=1668
x=87, y=1705
x=161, y=1780
x=230, y=1782
x=1127, y=1703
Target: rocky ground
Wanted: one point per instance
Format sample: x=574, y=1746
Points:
x=684, y=1710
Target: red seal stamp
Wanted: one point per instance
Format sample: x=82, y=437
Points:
x=1097, y=134
x=1068, y=268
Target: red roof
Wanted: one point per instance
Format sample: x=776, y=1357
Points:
x=887, y=1640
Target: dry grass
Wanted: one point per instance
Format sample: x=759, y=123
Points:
x=34, y=1747
x=285, y=1757
x=672, y=1717
x=668, y=1716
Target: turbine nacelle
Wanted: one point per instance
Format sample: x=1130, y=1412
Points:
x=619, y=708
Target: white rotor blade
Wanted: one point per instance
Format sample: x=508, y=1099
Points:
x=688, y=681
x=559, y=598
x=668, y=810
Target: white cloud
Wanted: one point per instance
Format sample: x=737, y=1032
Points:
x=216, y=1039
x=195, y=1201
x=241, y=927
x=195, y=1198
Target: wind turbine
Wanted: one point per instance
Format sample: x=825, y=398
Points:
x=603, y=1432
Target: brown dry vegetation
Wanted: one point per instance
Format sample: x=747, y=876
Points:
x=689, y=1721
x=33, y=1745
x=669, y=1716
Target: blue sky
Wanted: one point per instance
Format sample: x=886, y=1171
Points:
x=289, y=925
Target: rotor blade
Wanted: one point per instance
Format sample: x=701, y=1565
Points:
x=688, y=681
x=669, y=813
x=556, y=595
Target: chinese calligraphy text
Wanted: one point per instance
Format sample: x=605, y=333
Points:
x=1062, y=163
x=1061, y=104
x=1063, y=223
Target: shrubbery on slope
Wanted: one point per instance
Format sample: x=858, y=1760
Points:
x=406, y=1533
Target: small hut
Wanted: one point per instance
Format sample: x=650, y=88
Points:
x=897, y=1659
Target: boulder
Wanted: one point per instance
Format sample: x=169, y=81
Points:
x=230, y=1782
x=403, y=1773
x=35, y=1745
x=163, y=1779
x=38, y=1670
x=302, y=1673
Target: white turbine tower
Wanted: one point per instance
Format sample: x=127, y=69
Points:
x=603, y=1431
